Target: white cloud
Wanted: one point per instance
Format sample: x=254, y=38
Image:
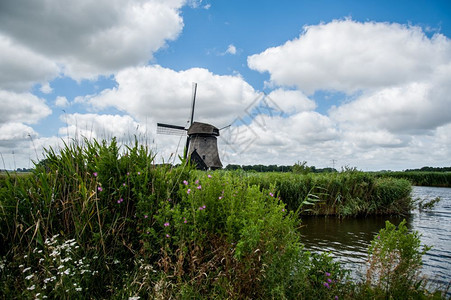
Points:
x=231, y=50
x=85, y=38
x=46, y=88
x=156, y=94
x=349, y=56
x=61, y=101
x=22, y=107
x=22, y=67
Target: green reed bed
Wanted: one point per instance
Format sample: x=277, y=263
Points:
x=96, y=221
x=422, y=178
x=350, y=193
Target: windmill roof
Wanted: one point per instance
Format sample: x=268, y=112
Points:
x=203, y=128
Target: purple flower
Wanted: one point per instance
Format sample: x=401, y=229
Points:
x=139, y=173
x=329, y=280
x=271, y=194
x=204, y=206
x=188, y=191
x=128, y=173
x=220, y=197
x=169, y=200
x=166, y=224
x=326, y=285
x=123, y=184
x=199, y=187
x=99, y=189
x=378, y=237
x=336, y=298
x=327, y=274
x=184, y=220
x=95, y=174
x=167, y=235
x=185, y=182
x=283, y=209
x=197, y=181
x=209, y=176
x=120, y=200
x=146, y=216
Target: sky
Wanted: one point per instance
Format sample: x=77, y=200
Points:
x=360, y=84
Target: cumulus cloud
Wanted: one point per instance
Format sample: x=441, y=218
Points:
x=22, y=67
x=61, y=101
x=231, y=50
x=22, y=107
x=348, y=56
x=84, y=39
x=157, y=94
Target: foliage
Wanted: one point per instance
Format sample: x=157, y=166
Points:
x=395, y=258
x=100, y=220
x=422, y=178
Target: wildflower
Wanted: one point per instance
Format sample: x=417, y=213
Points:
x=128, y=173
x=26, y=269
x=283, y=209
x=124, y=184
x=220, y=197
x=329, y=280
x=184, y=220
x=169, y=200
x=188, y=191
x=336, y=298
x=29, y=277
x=209, y=176
x=78, y=289
x=120, y=201
x=146, y=216
x=204, y=206
x=197, y=181
x=378, y=237
x=167, y=235
x=31, y=287
x=99, y=189
x=271, y=194
x=139, y=173
x=95, y=174
x=185, y=182
x=166, y=224
x=199, y=187
x=327, y=274
x=326, y=285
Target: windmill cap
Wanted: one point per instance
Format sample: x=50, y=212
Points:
x=203, y=128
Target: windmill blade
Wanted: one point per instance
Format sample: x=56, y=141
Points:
x=193, y=103
x=170, y=129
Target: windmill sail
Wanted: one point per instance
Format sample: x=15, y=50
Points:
x=170, y=129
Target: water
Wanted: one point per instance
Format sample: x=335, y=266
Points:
x=348, y=239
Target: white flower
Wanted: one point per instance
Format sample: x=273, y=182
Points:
x=67, y=271
x=133, y=298
x=29, y=277
x=26, y=269
x=79, y=289
x=31, y=287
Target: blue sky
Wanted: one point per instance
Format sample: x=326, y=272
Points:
x=361, y=83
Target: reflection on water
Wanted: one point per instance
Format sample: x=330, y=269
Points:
x=348, y=240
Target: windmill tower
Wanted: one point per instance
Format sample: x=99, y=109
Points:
x=201, y=143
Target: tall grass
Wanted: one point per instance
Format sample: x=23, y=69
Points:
x=438, y=179
x=97, y=220
x=350, y=193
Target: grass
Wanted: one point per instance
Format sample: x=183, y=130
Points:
x=94, y=219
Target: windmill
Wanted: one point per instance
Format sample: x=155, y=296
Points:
x=201, y=143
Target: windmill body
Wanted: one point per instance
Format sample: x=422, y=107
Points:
x=201, y=144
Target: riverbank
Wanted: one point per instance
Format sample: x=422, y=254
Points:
x=114, y=225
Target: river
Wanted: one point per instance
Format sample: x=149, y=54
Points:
x=348, y=240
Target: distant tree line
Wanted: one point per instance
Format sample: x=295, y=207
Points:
x=299, y=168
x=430, y=169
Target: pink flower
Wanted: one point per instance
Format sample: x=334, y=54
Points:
x=95, y=174
x=326, y=285
x=123, y=184
x=166, y=224
x=327, y=274
x=209, y=176
x=99, y=189
x=146, y=216
x=271, y=194
x=197, y=181
x=204, y=206
x=199, y=187
x=220, y=197
x=120, y=200
x=283, y=209
x=139, y=173
x=185, y=182
x=184, y=220
x=167, y=235
x=188, y=191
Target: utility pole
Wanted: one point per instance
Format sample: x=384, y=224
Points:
x=333, y=163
